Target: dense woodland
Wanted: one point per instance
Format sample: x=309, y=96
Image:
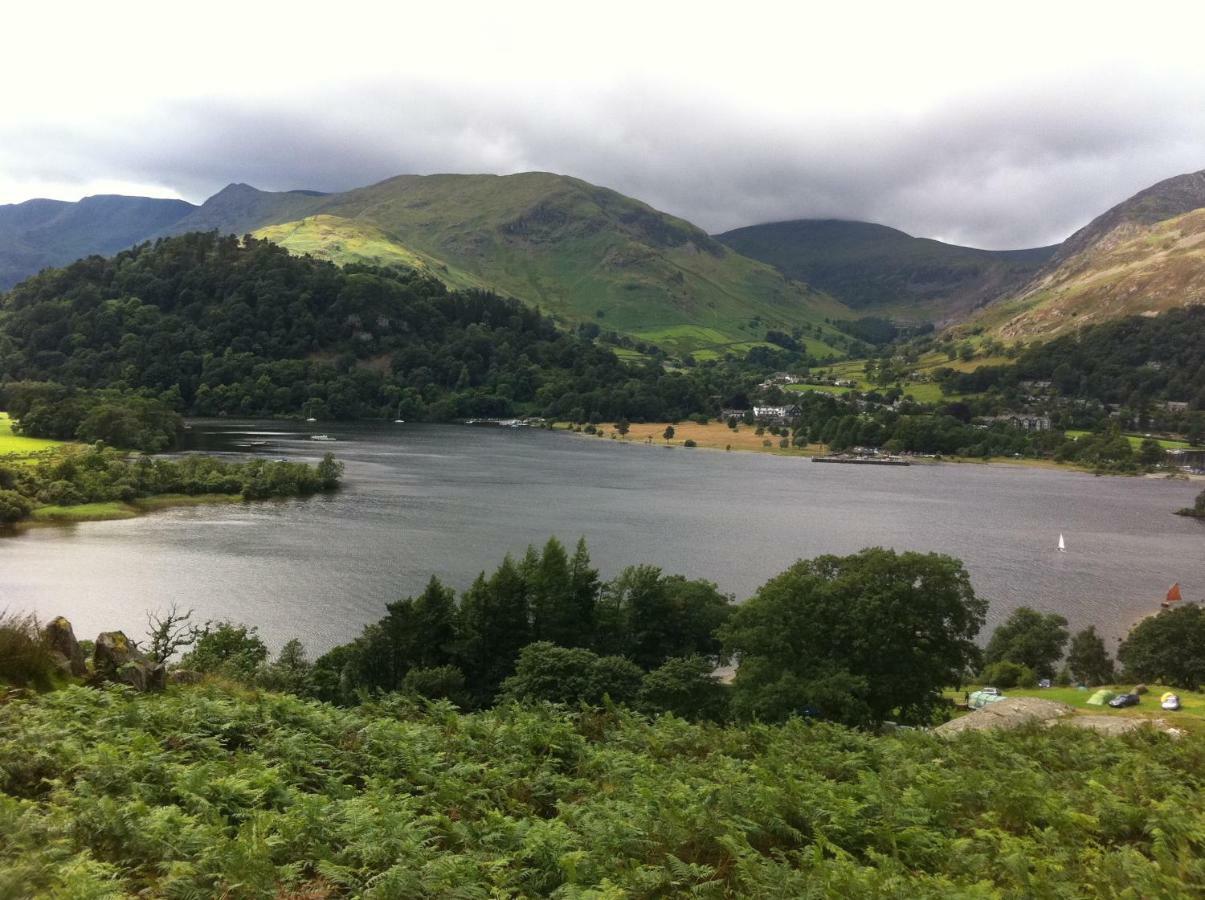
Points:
x=1131, y=362
x=216, y=326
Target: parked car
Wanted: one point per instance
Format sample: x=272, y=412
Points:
x=995, y=692
x=1044, y=683
x=1123, y=700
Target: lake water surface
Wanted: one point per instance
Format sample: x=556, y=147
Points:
x=452, y=500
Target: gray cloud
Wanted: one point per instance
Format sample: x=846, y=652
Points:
x=1018, y=167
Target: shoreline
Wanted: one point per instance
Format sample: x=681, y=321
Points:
x=638, y=434
x=115, y=511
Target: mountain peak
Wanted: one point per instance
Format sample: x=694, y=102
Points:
x=1161, y=201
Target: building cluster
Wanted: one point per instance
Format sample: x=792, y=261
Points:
x=763, y=415
x=1024, y=421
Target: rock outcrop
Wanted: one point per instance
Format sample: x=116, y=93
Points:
x=1013, y=712
x=60, y=638
x=116, y=659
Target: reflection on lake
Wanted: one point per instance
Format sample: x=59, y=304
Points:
x=452, y=500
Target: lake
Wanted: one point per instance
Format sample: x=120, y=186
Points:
x=452, y=500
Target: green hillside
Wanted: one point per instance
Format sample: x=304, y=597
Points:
x=348, y=241
x=580, y=252
x=880, y=270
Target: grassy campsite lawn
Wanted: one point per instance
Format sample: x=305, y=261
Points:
x=1137, y=439
x=19, y=445
x=1190, y=717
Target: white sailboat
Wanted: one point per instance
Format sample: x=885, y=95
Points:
x=1062, y=544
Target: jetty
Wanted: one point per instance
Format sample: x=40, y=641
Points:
x=853, y=460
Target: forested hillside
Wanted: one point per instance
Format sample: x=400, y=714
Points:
x=1134, y=362
x=219, y=326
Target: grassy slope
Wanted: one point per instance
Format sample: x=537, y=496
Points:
x=348, y=241
x=579, y=251
x=1143, y=270
x=880, y=270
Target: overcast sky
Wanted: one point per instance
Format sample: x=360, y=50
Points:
x=994, y=125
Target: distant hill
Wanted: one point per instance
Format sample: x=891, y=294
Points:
x=1142, y=257
x=881, y=270
x=578, y=251
x=240, y=209
x=38, y=234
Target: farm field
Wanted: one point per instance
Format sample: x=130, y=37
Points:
x=712, y=436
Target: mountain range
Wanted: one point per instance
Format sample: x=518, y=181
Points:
x=587, y=254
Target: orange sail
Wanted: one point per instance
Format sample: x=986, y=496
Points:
x=1173, y=594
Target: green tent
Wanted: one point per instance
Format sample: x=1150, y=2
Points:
x=1101, y=697
x=979, y=699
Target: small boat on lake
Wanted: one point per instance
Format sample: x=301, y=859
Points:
x=1062, y=545
x=322, y=437
x=1173, y=596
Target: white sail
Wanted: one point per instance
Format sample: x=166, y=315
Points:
x=1062, y=544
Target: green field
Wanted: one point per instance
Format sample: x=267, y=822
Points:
x=21, y=446
x=1190, y=717
x=1137, y=439
x=818, y=389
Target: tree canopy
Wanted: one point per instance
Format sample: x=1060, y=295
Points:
x=860, y=638
x=1029, y=638
x=1168, y=647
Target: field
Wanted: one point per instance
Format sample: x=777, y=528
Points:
x=1137, y=439
x=1190, y=717
x=18, y=445
x=712, y=436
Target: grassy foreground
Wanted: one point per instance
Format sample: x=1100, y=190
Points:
x=218, y=791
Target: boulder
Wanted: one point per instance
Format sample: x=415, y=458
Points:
x=116, y=659
x=1140, y=689
x=1011, y=712
x=184, y=676
x=60, y=638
